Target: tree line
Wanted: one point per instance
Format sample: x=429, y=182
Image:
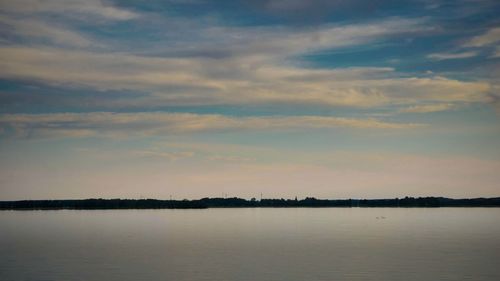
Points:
x=234, y=202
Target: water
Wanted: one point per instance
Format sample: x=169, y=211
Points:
x=251, y=244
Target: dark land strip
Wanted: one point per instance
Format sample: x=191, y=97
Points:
x=92, y=204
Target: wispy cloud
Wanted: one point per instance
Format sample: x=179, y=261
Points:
x=196, y=81
x=81, y=8
x=169, y=155
x=489, y=37
x=229, y=65
x=277, y=42
x=157, y=123
x=426, y=108
x=480, y=43
x=43, y=32
x=450, y=56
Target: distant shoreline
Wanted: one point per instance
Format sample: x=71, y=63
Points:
x=204, y=203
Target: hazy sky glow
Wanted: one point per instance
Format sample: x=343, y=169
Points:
x=332, y=99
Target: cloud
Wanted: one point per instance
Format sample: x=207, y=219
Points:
x=496, y=54
x=82, y=8
x=171, y=156
x=218, y=65
x=486, y=40
x=202, y=81
x=39, y=30
x=313, y=11
x=428, y=108
x=234, y=159
x=158, y=123
x=449, y=56
x=490, y=37
x=280, y=41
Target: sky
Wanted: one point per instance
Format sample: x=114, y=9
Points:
x=195, y=98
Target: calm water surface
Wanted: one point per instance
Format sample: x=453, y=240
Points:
x=251, y=244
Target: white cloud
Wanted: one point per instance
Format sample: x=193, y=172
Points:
x=41, y=30
x=195, y=81
x=279, y=41
x=254, y=68
x=92, y=8
x=271, y=43
x=428, y=108
x=158, y=123
x=450, y=56
x=171, y=156
x=490, y=37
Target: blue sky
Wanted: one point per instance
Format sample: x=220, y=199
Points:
x=333, y=99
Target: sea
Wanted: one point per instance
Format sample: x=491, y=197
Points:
x=250, y=244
